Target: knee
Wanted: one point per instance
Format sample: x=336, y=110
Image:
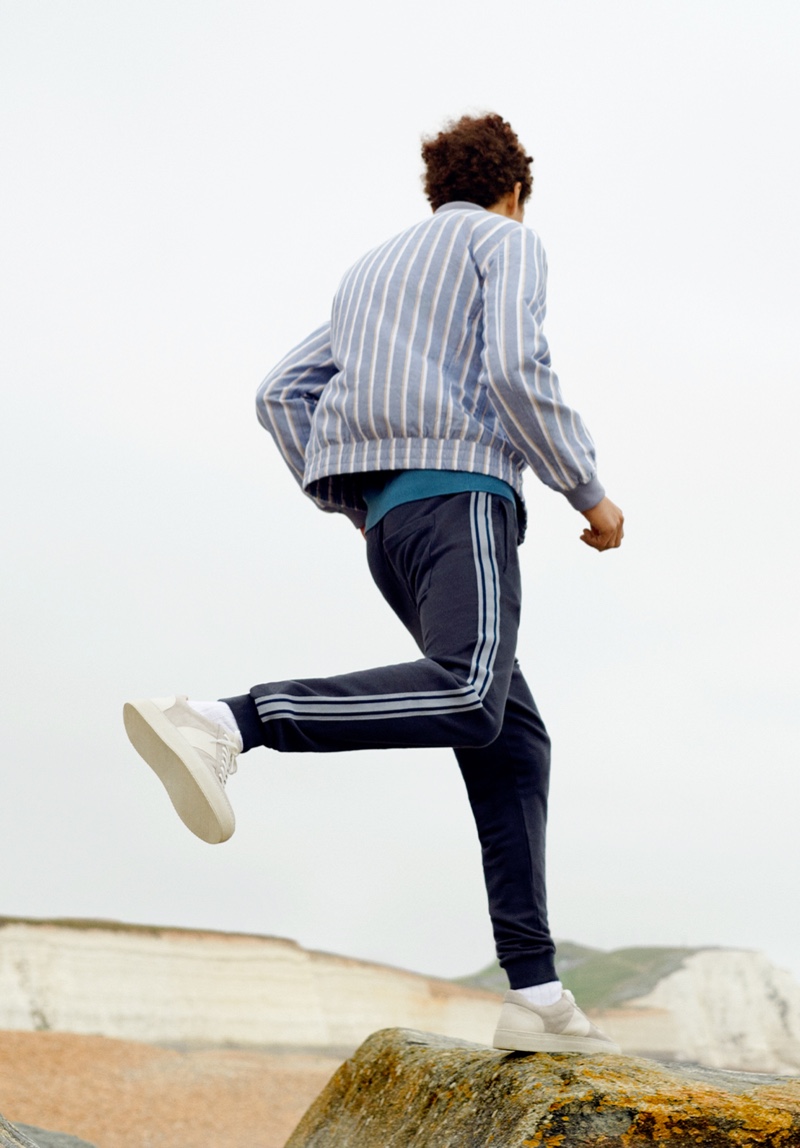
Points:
x=481, y=727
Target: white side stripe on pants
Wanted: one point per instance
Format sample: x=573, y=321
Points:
x=426, y=702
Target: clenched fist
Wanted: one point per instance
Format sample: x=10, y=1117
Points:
x=604, y=531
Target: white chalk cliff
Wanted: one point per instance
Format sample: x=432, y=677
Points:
x=722, y=1008
x=163, y=985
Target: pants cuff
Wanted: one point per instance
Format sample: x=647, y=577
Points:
x=250, y=725
x=525, y=971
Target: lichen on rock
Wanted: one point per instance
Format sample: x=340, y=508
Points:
x=406, y=1089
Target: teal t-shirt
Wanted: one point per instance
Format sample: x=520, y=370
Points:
x=393, y=490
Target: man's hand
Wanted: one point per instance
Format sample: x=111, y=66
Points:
x=605, y=526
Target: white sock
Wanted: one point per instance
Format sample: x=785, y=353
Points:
x=542, y=995
x=219, y=712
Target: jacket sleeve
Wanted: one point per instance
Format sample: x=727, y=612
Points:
x=522, y=386
x=288, y=396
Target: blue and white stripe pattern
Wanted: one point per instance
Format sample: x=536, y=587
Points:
x=434, y=358
x=423, y=703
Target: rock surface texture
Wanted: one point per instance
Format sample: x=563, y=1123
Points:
x=406, y=1089
x=25, y=1136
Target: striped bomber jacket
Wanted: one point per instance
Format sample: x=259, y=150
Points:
x=434, y=358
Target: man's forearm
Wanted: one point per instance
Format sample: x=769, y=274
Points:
x=286, y=399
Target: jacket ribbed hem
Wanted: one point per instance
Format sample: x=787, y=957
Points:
x=339, y=489
x=330, y=477
x=409, y=454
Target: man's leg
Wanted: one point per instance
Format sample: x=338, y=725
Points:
x=507, y=784
x=443, y=565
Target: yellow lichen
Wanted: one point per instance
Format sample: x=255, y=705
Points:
x=397, y=1086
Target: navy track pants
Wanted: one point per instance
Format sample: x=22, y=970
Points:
x=448, y=567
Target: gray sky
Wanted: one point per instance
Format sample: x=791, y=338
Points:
x=185, y=182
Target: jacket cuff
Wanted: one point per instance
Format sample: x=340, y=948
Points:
x=587, y=495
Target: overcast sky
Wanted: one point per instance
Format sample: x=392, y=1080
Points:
x=184, y=184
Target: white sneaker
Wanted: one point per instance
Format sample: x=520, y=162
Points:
x=192, y=756
x=560, y=1027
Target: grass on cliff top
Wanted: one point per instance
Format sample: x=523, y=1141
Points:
x=597, y=978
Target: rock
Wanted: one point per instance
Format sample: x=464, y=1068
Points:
x=11, y=1137
x=25, y=1136
x=44, y=1139
x=404, y=1088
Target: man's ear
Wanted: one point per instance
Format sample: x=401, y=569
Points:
x=509, y=204
x=510, y=201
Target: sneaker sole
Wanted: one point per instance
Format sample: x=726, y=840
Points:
x=510, y=1040
x=201, y=805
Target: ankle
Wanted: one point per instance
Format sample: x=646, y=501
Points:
x=246, y=716
x=218, y=712
x=543, y=995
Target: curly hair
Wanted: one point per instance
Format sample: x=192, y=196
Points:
x=477, y=159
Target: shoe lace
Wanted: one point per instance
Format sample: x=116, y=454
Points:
x=225, y=763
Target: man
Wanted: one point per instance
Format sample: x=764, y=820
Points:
x=414, y=411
